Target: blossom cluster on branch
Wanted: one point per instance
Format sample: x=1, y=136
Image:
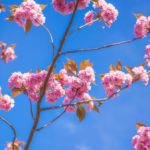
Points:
x=71, y=86
x=7, y=53
x=6, y=102
x=28, y=13
x=69, y=83
x=106, y=12
x=142, y=26
x=141, y=141
x=65, y=7
x=117, y=79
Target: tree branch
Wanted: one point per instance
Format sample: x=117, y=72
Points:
x=13, y=130
x=47, y=78
x=73, y=104
x=80, y=27
x=99, y=48
x=51, y=38
x=77, y=103
x=58, y=116
x=31, y=110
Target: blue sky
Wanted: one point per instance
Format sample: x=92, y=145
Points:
x=114, y=126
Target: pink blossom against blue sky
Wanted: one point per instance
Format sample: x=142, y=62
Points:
x=111, y=129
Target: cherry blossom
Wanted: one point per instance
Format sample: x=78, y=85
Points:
x=142, y=26
x=28, y=11
x=114, y=80
x=141, y=141
x=142, y=73
x=7, y=54
x=6, y=102
x=147, y=56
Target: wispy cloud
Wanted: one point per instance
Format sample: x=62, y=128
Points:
x=82, y=147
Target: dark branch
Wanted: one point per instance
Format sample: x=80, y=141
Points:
x=99, y=48
x=38, y=112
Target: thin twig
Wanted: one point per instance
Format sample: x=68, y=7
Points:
x=80, y=27
x=31, y=110
x=73, y=104
x=99, y=48
x=13, y=130
x=51, y=38
x=38, y=112
x=58, y=116
x=50, y=122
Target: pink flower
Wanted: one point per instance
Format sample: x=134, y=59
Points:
x=142, y=73
x=142, y=140
x=6, y=102
x=54, y=91
x=109, y=14
x=89, y=17
x=141, y=27
x=29, y=10
x=63, y=7
x=66, y=7
x=114, y=80
x=62, y=85
x=87, y=74
x=87, y=97
x=16, y=80
x=83, y=4
x=147, y=56
x=7, y=53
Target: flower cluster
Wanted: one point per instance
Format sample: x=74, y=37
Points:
x=108, y=13
x=147, y=56
x=142, y=140
x=6, y=102
x=27, y=13
x=7, y=53
x=142, y=26
x=65, y=7
x=70, y=87
x=141, y=73
x=114, y=80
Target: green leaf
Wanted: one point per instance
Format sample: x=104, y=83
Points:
x=28, y=25
x=81, y=113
